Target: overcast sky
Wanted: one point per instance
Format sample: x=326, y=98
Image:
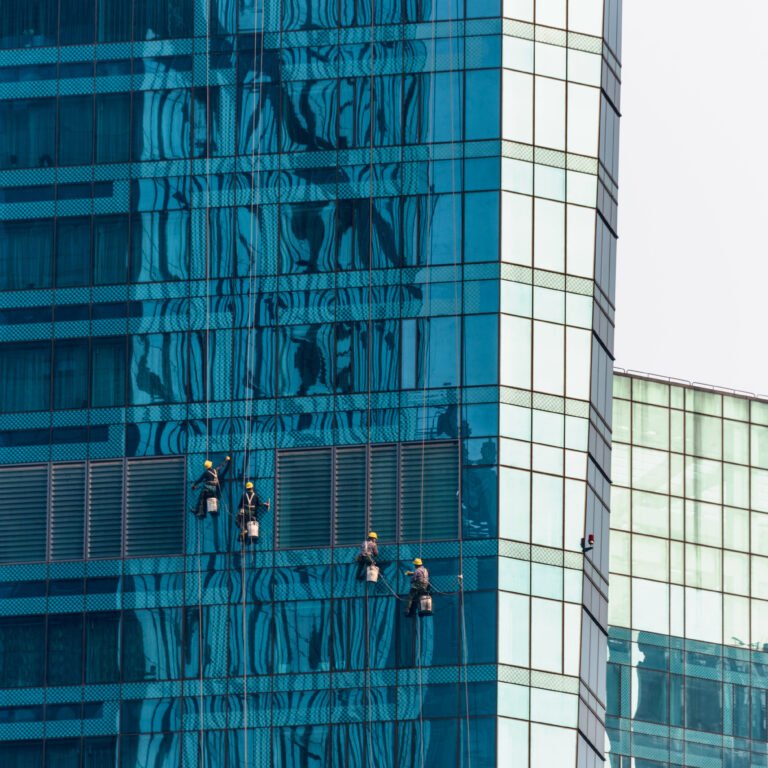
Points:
x=692, y=274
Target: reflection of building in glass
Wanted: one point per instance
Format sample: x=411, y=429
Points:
x=689, y=576
x=365, y=249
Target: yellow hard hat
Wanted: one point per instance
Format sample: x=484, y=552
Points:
x=373, y=535
x=417, y=561
x=208, y=464
x=249, y=485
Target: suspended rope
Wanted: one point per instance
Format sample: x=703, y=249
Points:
x=206, y=372
x=458, y=305
x=253, y=230
x=254, y=211
x=369, y=366
x=428, y=251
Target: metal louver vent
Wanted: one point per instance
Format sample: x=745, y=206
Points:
x=350, y=492
x=154, y=521
x=105, y=509
x=304, y=498
x=67, y=531
x=429, y=491
x=23, y=507
x=383, y=491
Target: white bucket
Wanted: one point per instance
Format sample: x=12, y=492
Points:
x=372, y=573
x=253, y=529
x=212, y=505
x=425, y=605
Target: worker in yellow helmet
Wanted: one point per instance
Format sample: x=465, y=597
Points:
x=211, y=479
x=419, y=585
x=249, y=505
x=369, y=551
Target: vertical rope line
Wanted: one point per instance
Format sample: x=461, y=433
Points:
x=253, y=244
x=369, y=372
x=254, y=230
x=245, y=656
x=200, y=646
x=207, y=373
x=428, y=228
x=458, y=305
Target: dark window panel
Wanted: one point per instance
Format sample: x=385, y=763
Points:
x=113, y=23
x=108, y=371
x=73, y=252
x=26, y=251
x=155, y=19
x=65, y=649
x=113, y=113
x=76, y=130
x=27, y=133
x=25, y=376
x=102, y=647
x=22, y=651
x=28, y=23
x=77, y=21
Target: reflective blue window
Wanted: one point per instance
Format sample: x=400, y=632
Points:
x=113, y=111
x=302, y=636
x=170, y=18
x=26, y=24
x=25, y=376
x=27, y=133
x=73, y=248
x=75, y=130
x=26, y=250
x=22, y=651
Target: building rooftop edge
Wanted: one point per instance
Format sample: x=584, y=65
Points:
x=689, y=384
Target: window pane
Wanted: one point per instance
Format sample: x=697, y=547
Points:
x=114, y=21
x=75, y=130
x=113, y=111
x=160, y=246
x=25, y=376
x=65, y=649
x=26, y=248
x=158, y=368
x=73, y=252
x=76, y=21
x=22, y=648
x=27, y=133
x=110, y=249
x=108, y=372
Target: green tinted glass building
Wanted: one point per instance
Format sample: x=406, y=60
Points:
x=689, y=576
x=366, y=250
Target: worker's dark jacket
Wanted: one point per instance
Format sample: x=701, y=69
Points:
x=213, y=477
x=249, y=501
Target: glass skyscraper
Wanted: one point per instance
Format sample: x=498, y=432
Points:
x=689, y=577
x=360, y=253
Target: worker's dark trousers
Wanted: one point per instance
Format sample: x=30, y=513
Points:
x=363, y=561
x=413, y=598
x=209, y=489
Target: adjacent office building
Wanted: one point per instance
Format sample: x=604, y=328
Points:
x=688, y=641
x=366, y=250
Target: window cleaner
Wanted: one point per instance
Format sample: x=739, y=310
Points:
x=419, y=596
x=211, y=480
x=366, y=559
x=247, y=519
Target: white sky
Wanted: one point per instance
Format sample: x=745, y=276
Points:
x=692, y=274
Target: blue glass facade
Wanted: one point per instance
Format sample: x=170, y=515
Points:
x=365, y=249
